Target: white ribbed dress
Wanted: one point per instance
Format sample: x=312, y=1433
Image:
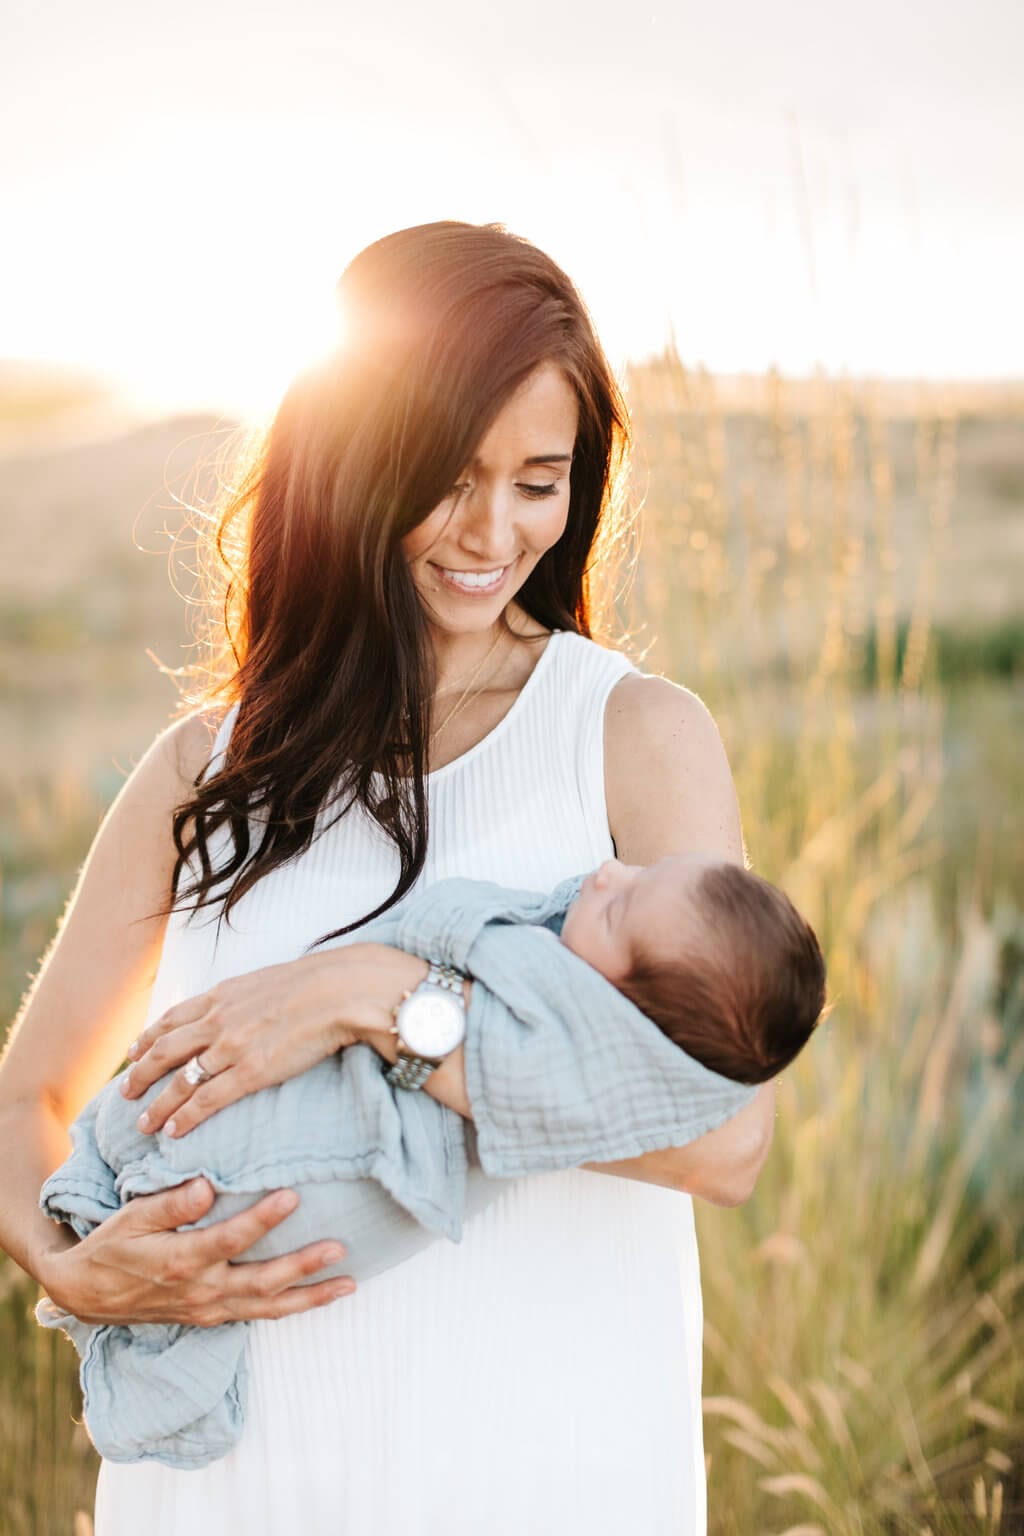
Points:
x=543, y=1375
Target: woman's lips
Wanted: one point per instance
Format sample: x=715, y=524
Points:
x=476, y=589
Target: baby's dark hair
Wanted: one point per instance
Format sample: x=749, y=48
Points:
x=745, y=998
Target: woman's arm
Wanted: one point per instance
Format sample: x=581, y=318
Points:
x=90, y=992
x=669, y=789
x=88, y=1000
x=721, y=1166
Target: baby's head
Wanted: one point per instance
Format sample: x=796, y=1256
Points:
x=718, y=958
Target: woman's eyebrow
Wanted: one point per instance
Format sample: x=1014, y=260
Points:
x=537, y=458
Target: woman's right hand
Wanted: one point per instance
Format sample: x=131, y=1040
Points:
x=136, y=1268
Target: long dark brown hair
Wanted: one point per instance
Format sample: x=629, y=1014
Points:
x=324, y=645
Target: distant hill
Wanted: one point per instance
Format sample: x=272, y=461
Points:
x=44, y=405
x=30, y=388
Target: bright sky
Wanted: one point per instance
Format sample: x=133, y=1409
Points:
x=793, y=183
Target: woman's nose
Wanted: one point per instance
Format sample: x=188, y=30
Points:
x=485, y=525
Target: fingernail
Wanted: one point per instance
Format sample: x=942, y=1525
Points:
x=130, y=1052
x=171, y=1127
x=344, y=1290
x=195, y=1192
x=143, y=1121
x=126, y=1082
x=332, y=1255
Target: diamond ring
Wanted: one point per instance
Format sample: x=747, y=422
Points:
x=195, y=1073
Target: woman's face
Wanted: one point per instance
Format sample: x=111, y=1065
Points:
x=509, y=507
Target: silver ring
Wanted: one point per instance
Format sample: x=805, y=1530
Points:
x=195, y=1073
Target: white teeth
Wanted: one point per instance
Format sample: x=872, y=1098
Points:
x=475, y=578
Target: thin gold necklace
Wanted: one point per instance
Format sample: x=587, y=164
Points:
x=464, y=696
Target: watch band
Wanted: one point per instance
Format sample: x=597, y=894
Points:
x=444, y=976
x=410, y=1071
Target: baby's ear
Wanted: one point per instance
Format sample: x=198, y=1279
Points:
x=825, y=1013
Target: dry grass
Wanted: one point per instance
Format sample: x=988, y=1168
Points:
x=864, y=1313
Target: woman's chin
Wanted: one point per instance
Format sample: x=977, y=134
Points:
x=451, y=614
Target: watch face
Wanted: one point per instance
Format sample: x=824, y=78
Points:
x=431, y=1022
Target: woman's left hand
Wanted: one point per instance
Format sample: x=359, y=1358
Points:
x=250, y=1032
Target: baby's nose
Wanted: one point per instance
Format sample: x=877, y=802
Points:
x=606, y=872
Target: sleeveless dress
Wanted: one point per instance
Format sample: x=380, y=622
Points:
x=543, y=1375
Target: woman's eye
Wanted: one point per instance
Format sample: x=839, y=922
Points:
x=535, y=491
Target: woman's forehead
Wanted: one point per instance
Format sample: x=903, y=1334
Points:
x=539, y=419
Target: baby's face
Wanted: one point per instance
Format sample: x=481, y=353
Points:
x=620, y=904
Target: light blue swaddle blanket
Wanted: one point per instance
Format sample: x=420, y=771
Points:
x=561, y=1069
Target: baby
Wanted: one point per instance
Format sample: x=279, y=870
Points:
x=562, y=1067
x=713, y=954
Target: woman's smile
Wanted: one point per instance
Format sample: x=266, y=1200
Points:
x=474, y=583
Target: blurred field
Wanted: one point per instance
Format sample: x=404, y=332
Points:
x=836, y=568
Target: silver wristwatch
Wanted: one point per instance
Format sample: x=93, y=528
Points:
x=430, y=1023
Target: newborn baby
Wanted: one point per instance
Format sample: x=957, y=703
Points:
x=714, y=955
x=563, y=1068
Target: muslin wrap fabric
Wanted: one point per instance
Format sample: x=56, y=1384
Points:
x=561, y=1069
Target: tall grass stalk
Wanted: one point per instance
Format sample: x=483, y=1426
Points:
x=864, y=1313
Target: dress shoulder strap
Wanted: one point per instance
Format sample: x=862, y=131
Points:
x=587, y=673
x=220, y=741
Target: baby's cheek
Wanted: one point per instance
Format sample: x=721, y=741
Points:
x=577, y=935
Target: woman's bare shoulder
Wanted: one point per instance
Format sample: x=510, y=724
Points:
x=655, y=706
x=180, y=751
x=187, y=743
x=668, y=783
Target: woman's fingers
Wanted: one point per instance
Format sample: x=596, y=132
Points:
x=161, y=1056
x=266, y=1287
x=170, y=1208
x=261, y=1280
x=181, y=1275
x=188, y=1012
x=225, y=1240
x=179, y=1107
x=300, y=1298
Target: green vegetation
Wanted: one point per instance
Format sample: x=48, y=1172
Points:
x=959, y=656
x=829, y=568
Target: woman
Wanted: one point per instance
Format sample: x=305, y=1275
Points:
x=410, y=623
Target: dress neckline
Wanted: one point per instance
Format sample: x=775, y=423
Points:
x=436, y=774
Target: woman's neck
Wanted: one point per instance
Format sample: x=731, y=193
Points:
x=458, y=655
